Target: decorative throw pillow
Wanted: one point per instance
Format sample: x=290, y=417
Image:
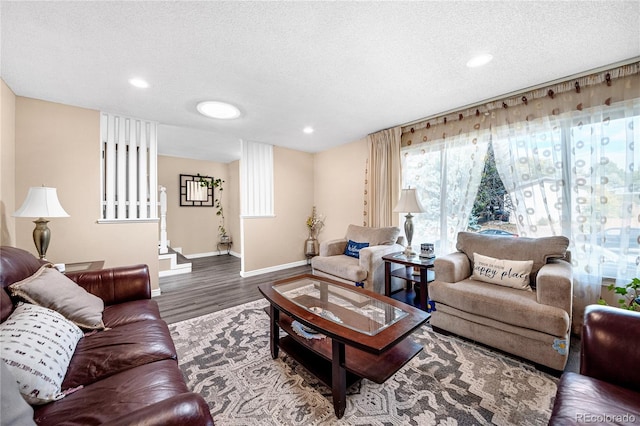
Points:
x=50, y=288
x=508, y=273
x=36, y=344
x=14, y=410
x=353, y=248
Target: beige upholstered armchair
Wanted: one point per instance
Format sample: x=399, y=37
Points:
x=497, y=301
x=366, y=270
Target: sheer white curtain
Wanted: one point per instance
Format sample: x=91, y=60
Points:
x=446, y=174
x=578, y=174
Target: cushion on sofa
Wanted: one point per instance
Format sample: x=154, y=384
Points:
x=48, y=287
x=16, y=265
x=121, y=348
x=582, y=399
x=540, y=250
x=128, y=312
x=373, y=236
x=342, y=266
x=508, y=305
x=6, y=305
x=507, y=273
x=37, y=345
x=116, y=396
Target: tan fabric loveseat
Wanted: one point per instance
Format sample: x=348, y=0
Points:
x=368, y=269
x=532, y=323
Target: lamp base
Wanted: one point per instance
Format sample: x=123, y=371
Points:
x=408, y=252
x=41, y=237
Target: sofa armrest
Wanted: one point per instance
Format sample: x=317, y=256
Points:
x=452, y=267
x=371, y=257
x=333, y=247
x=184, y=409
x=116, y=285
x=554, y=285
x=371, y=261
x=611, y=346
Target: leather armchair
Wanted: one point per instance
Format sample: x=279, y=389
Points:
x=607, y=390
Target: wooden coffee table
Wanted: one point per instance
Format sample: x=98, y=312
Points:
x=365, y=332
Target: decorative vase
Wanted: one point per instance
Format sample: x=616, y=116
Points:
x=311, y=246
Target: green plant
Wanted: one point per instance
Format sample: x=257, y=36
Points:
x=210, y=182
x=630, y=293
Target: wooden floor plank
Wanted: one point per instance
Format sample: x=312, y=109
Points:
x=213, y=284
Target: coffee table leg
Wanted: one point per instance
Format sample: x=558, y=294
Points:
x=339, y=379
x=275, y=331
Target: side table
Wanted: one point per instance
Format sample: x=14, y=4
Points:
x=406, y=272
x=92, y=265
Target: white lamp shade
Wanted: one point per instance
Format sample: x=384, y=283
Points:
x=409, y=202
x=41, y=202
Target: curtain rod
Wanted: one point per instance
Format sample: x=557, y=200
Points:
x=520, y=92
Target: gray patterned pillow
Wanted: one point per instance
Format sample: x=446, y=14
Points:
x=36, y=344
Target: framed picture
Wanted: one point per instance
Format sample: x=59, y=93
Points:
x=196, y=191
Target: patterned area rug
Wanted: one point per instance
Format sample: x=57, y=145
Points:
x=225, y=357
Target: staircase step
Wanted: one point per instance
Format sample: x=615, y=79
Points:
x=178, y=264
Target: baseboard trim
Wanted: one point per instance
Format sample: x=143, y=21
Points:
x=171, y=272
x=199, y=255
x=156, y=292
x=211, y=253
x=246, y=274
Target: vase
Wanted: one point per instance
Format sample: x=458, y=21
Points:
x=311, y=246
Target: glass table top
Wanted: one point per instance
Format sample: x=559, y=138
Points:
x=342, y=305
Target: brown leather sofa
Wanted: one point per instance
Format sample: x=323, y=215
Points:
x=129, y=373
x=607, y=390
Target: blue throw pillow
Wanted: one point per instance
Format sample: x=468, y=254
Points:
x=353, y=248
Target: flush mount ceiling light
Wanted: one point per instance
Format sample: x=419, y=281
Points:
x=139, y=83
x=308, y=130
x=479, y=60
x=220, y=110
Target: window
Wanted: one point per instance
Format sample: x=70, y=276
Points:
x=446, y=174
x=575, y=174
x=492, y=208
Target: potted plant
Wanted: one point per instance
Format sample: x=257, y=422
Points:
x=217, y=204
x=630, y=293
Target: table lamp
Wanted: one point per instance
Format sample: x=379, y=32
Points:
x=41, y=202
x=408, y=204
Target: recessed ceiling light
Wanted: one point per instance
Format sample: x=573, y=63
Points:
x=220, y=110
x=138, y=82
x=479, y=60
x=308, y=130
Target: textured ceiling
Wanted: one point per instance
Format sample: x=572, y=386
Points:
x=345, y=68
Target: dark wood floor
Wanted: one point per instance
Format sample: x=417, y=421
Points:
x=213, y=285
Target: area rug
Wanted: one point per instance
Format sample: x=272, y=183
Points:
x=225, y=357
